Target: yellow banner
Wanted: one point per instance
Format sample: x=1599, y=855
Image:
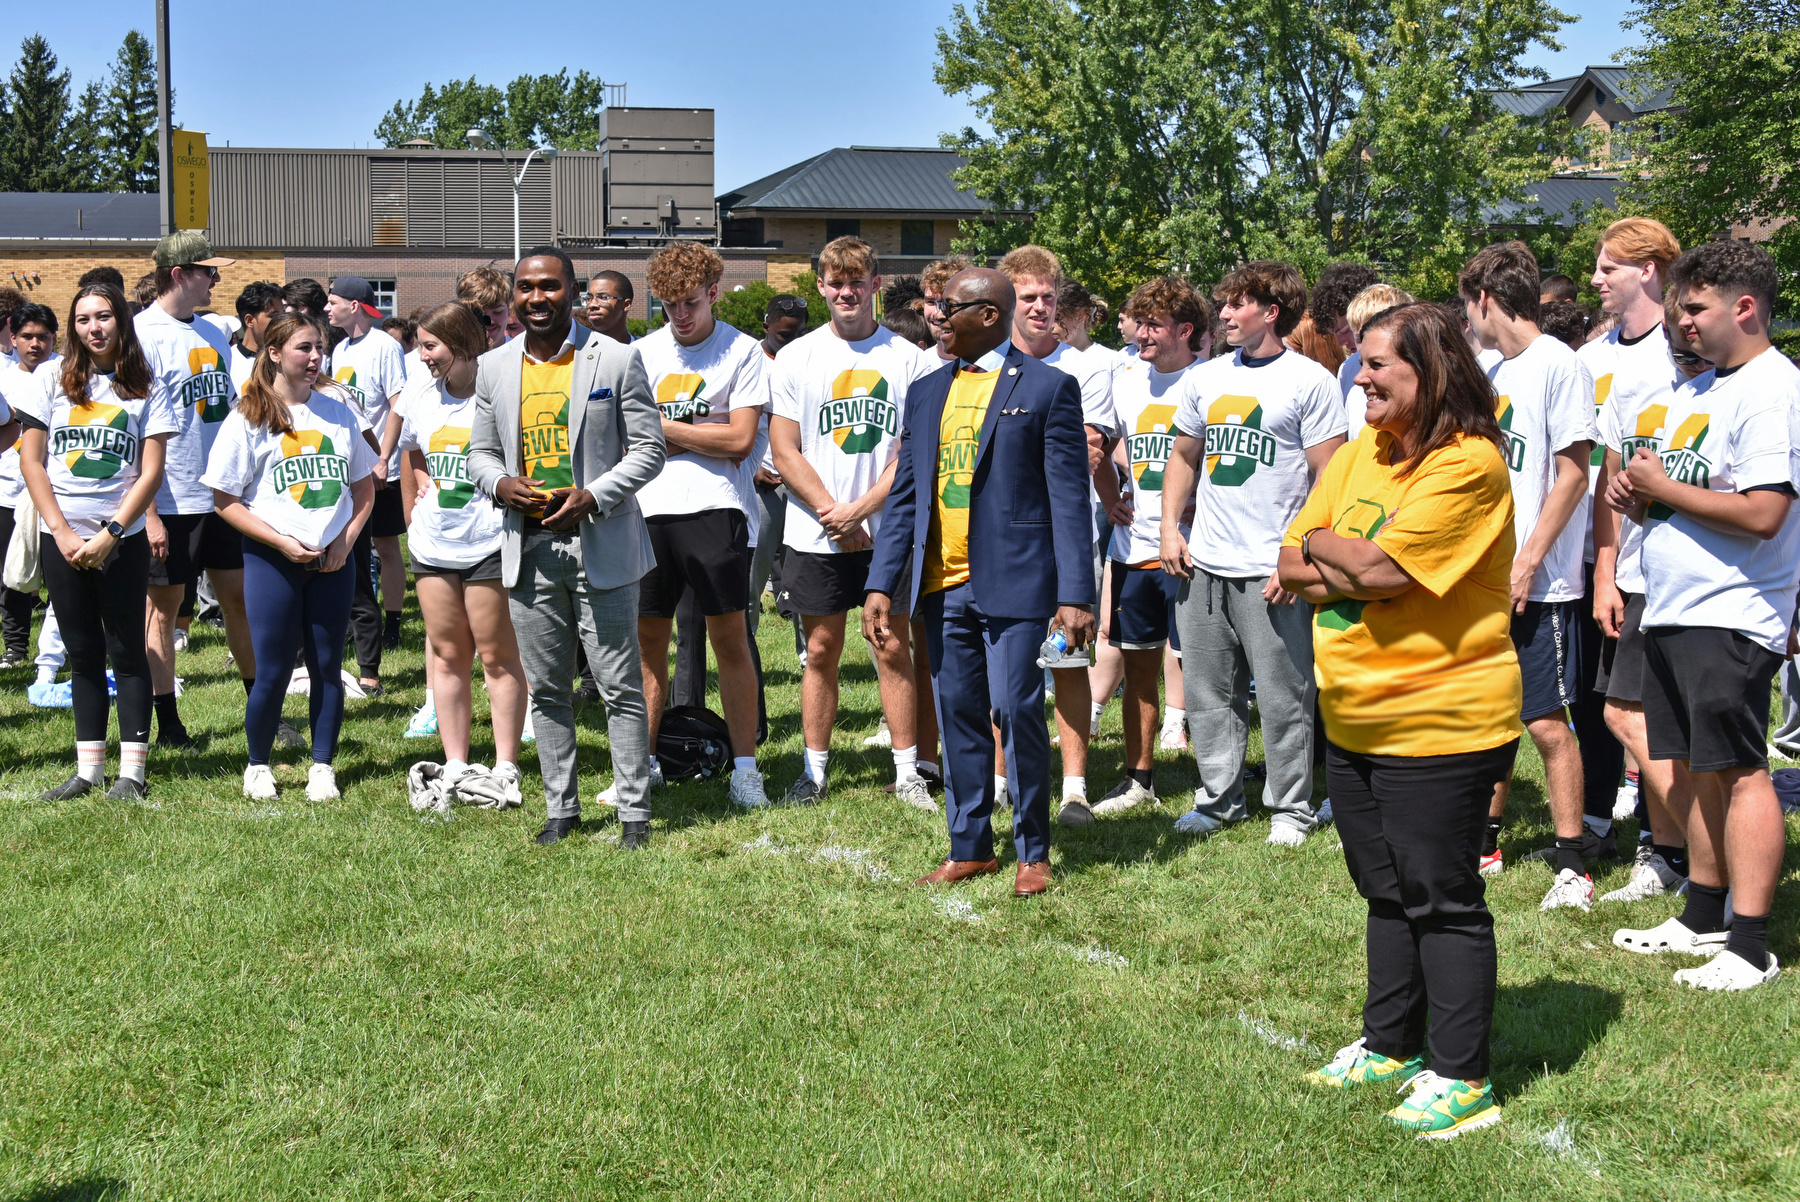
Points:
x=190, y=178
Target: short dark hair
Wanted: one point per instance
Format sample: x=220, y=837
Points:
x=786, y=304
x=1558, y=287
x=1507, y=272
x=1072, y=296
x=901, y=292
x=257, y=297
x=305, y=294
x=389, y=326
x=102, y=275
x=551, y=252
x=1566, y=321
x=1338, y=285
x=1731, y=267
x=10, y=300
x=1180, y=300
x=617, y=279
x=1268, y=282
x=31, y=313
x=910, y=325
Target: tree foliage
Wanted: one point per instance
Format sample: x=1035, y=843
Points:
x=1188, y=135
x=532, y=110
x=103, y=140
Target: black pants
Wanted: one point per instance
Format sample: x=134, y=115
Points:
x=1412, y=829
x=101, y=615
x=365, y=610
x=1602, y=755
x=689, y=685
x=15, y=607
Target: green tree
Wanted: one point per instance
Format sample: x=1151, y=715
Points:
x=1188, y=135
x=532, y=110
x=129, y=118
x=84, y=142
x=34, y=144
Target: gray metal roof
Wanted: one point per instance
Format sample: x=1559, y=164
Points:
x=1626, y=89
x=1555, y=201
x=1536, y=99
x=79, y=215
x=863, y=179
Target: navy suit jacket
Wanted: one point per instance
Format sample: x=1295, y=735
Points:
x=1031, y=531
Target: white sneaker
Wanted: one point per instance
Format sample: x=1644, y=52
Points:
x=321, y=783
x=259, y=782
x=1002, y=799
x=1286, y=834
x=1325, y=817
x=1124, y=797
x=609, y=796
x=1196, y=823
x=1174, y=738
x=1728, y=972
x=882, y=737
x=353, y=687
x=1670, y=936
x=917, y=794
x=181, y=640
x=1571, y=889
x=1625, y=802
x=747, y=789
x=1651, y=876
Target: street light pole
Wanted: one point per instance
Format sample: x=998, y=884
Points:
x=479, y=139
x=165, y=137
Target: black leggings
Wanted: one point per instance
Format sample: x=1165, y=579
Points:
x=365, y=610
x=15, y=607
x=101, y=615
x=1412, y=827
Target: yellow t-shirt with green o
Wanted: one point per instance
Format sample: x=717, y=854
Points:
x=959, y=437
x=1431, y=671
x=544, y=420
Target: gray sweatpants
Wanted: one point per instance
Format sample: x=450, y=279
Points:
x=552, y=605
x=1787, y=734
x=1230, y=635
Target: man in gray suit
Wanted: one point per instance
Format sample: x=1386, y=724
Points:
x=565, y=434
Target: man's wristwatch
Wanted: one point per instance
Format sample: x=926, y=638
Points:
x=1306, y=545
x=113, y=528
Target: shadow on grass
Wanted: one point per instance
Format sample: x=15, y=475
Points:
x=1546, y=1026
x=88, y=1189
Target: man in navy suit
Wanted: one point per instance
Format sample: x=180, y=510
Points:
x=989, y=508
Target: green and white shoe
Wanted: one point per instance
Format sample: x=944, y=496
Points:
x=1443, y=1108
x=1356, y=1065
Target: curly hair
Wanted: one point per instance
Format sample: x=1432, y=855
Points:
x=937, y=277
x=484, y=287
x=1031, y=260
x=1179, y=299
x=1338, y=285
x=1268, y=282
x=678, y=269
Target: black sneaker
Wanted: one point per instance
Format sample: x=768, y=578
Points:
x=635, y=836
x=174, y=739
x=1593, y=847
x=287, y=736
x=372, y=691
x=126, y=789
x=557, y=829
x=804, y=792
x=75, y=786
x=13, y=659
x=587, y=694
x=1259, y=771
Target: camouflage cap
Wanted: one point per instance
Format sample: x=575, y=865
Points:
x=188, y=248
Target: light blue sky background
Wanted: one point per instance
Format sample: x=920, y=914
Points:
x=323, y=73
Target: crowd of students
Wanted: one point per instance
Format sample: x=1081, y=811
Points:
x=1407, y=533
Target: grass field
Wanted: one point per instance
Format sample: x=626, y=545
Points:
x=207, y=997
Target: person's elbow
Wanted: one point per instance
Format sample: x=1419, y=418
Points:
x=1290, y=568
x=1768, y=518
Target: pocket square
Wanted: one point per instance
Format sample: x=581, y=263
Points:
x=1013, y=412
x=600, y=394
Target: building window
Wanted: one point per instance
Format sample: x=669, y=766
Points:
x=842, y=227
x=916, y=238
x=384, y=296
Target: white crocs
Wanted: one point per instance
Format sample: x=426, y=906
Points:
x=1728, y=972
x=1671, y=936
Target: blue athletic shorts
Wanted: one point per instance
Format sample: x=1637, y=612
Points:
x=1143, y=608
x=1547, y=636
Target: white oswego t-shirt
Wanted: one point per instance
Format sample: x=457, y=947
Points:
x=298, y=483
x=372, y=369
x=1545, y=402
x=16, y=386
x=1729, y=433
x=1258, y=422
x=455, y=524
x=95, y=450
x=1146, y=401
x=847, y=398
x=189, y=359
x=1634, y=384
x=699, y=385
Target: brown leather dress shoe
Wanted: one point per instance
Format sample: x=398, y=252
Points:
x=1032, y=879
x=952, y=871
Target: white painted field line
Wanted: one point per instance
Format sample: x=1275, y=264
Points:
x=1269, y=1035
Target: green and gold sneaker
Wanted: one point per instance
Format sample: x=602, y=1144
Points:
x=1356, y=1065
x=1442, y=1108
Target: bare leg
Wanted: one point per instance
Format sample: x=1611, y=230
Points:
x=653, y=651
x=228, y=590
x=490, y=620
x=1141, y=670
x=393, y=574
x=1562, y=771
x=447, y=666
x=1656, y=778
x=895, y=674
x=819, y=681
x=1735, y=836
x=924, y=697
x=1174, y=694
x=159, y=635
x=1072, y=721
x=737, y=678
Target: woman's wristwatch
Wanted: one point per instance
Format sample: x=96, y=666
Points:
x=113, y=528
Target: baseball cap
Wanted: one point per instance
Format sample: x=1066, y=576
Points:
x=188, y=248
x=355, y=288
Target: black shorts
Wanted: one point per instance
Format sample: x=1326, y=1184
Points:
x=198, y=542
x=1143, y=608
x=708, y=552
x=819, y=584
x=1548, y=638
x=1706, y=697
x=487, y=569
x=388, y=518
x=1621, y=675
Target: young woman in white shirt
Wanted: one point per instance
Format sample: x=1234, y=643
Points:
x=290, y=471
x=454, y=538
x=92, y=458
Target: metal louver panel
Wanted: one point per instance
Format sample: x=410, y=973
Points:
x=580, y=196
x=282, y=199
x=387, y=202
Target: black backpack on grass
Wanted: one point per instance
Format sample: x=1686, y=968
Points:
x=692, y=741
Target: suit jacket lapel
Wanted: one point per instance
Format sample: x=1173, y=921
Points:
x=507, y=416
x=581, y=377
x=1009, y=375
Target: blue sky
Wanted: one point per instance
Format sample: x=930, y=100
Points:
x=323, y=73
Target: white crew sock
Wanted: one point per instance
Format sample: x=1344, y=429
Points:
x=46, y=675
x=1173, y=719
x=453, y=768
x=999, y=789
x=430, y=701
x=131, y=760
x=743, y=763
x=1095, y=709
x=90, y=761
x=1600, y=826
x=1075, y=786
x=815, y=764
x=906, y=764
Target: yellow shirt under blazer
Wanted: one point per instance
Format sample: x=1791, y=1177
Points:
x=959, y=438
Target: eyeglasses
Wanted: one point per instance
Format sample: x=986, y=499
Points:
x=951, y=308
x=789, y=305
x=603, y=296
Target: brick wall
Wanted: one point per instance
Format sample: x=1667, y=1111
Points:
x=48, y=274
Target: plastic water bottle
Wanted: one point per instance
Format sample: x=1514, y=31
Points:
x=1056, y=652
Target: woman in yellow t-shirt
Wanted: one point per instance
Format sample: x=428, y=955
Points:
x=1405, y=548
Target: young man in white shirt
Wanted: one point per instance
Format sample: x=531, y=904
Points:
x=709, y=383
x=32, y=329
x=834, y=434
x=1634, y=385
x=1036, y=274
x=1720, y=552
x=1267, y=420
x=1546, y=408
x=608, y=307
x=191, y=359
x=257, y=305
x=371, y=367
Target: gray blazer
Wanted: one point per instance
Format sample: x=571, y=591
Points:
x=615, y=447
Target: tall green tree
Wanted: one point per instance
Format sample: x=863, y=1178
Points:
x=533, y=110
x=1188, y=135
x=34, y=144
x=128, y=138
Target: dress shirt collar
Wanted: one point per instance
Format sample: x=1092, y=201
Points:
x=991, y=361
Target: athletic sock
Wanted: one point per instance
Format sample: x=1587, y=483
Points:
x=1140, y=775
x=1075, y=786
x=999, y=787
x=1705, y=913
x=131, y=761
x=1568, y=855
x=815, y=765
x=1601, y=827
x=46, y=676
x=1173, y=719
x=1674, y=857
x=1749, y=938
x=743, y=763
x=430, y=701
x=393, y=623
x=90, y=761
x=1631, y=777
x=1490, y=837
x=168, y=717
x=1095, y=709
x=906, y=764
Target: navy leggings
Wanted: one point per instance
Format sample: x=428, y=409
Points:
x=294, y=610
